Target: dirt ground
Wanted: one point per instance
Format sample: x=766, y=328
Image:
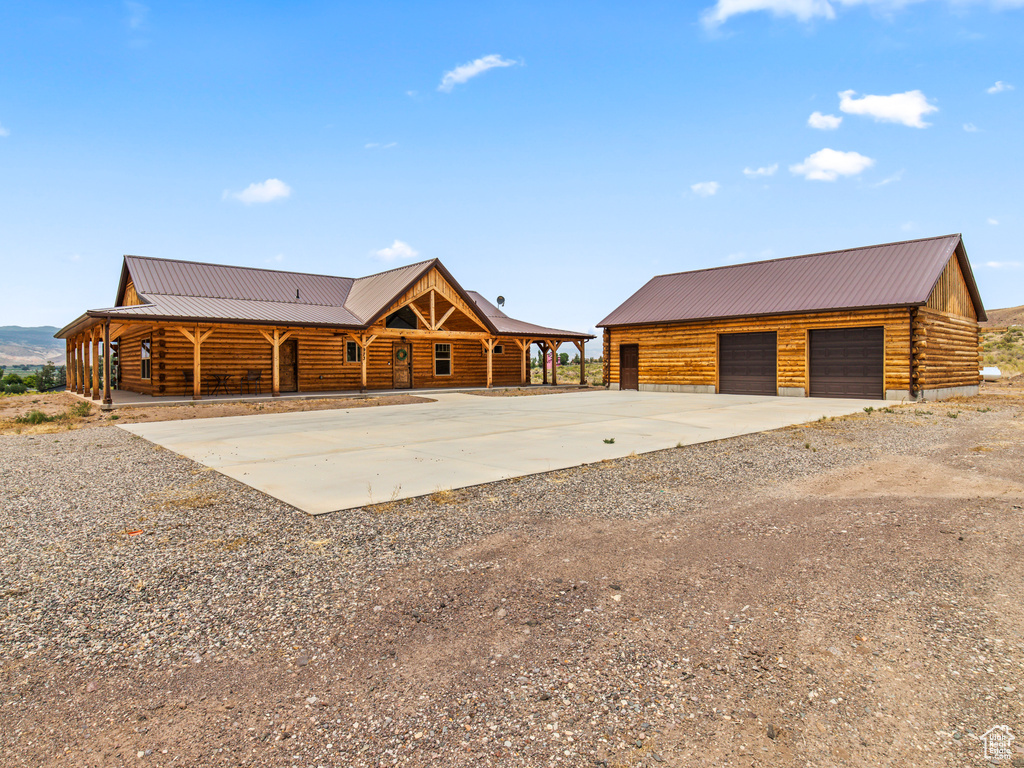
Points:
x=843, y=593
x=62, y=404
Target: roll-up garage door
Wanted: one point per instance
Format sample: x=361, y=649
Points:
x=847, y=362
x=746, y=364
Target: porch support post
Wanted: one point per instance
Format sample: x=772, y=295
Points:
x=489, y=346
x=275, y=344
x=197, y=338
x=543, y=362
x=83, y=363
x=68, y=377
x=554, y=361
x=583, y=362
x=364, y=343
x=107, y=399
x=95, y=333
x=524, y=347
x=80, y=365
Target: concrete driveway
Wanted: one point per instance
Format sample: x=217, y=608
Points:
x=324, y=461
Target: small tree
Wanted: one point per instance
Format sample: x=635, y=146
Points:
x=563, y=358
x=11, y=379
x=47, y=377
x=62, y=377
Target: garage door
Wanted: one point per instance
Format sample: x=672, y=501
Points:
x=847, y=362
x=746, y=364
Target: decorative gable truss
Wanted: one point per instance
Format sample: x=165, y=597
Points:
x=439, y=308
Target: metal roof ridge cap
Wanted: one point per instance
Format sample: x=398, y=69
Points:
x=235, y=266
x=394, y=269
x=798, y=256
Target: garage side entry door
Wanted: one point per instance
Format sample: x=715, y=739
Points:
x=746, y=363
x=629, y=366
x=847, y=362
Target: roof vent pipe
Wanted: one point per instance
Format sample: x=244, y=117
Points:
x=296, y=294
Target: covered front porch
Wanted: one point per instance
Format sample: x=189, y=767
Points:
x=108, y=360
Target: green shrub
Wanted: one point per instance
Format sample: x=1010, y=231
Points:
x=15, y=389
x=81, y=409
x=34, y=417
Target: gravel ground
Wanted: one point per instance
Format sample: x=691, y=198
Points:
x=841, y=593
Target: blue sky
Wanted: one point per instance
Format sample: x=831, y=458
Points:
x=559, y=154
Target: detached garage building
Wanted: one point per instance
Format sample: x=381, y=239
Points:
x=896, y=321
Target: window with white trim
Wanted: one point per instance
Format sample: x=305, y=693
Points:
x=146, y=357
x=442, y=359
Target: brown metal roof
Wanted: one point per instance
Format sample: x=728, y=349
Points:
x=219, y=281
x=371, y=295
x=891, y=274
x=510, y=326
x=189, y=291
x=200, y=308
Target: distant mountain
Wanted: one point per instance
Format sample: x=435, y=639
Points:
x=30, y=346
x=1003, y=318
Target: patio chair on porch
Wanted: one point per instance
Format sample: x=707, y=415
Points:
x=189, y=377
x=251, y=381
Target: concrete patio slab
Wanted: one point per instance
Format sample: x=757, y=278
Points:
x=326, y=461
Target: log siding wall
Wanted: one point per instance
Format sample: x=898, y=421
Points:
x=686, y=354
x=235, y=349
x=950, y=293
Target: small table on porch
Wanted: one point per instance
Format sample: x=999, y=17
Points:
x=218, y=383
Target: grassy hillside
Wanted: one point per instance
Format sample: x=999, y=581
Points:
x=1004, y=349
x=1004, y=318
x=30, y=346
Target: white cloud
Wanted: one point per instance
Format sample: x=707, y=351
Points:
x=824, y=122
x=970, y=127
x=753, y=173
x=397, y=250
x=804, y=10
x=260, y=192
x=377, y=145
x=808, y=10
x=1003, y=264
x=137, y=13
x=476, y=67
x=705, y=188
x=904, y=108
x=992, y=221
x=908, y=226
x=274, y=259
x=999, y=87
x=889, y=179
x=829, y=164
x=4, y=133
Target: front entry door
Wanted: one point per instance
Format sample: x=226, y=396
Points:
x=401, y=365
x=288, y=365
x=629, y=366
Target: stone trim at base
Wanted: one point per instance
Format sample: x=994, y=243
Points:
x=792, y=392
x=899, y=395
x=946, y=392
x=690, y=389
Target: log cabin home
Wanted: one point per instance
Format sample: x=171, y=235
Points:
x=897, y=321
x=181, y=328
